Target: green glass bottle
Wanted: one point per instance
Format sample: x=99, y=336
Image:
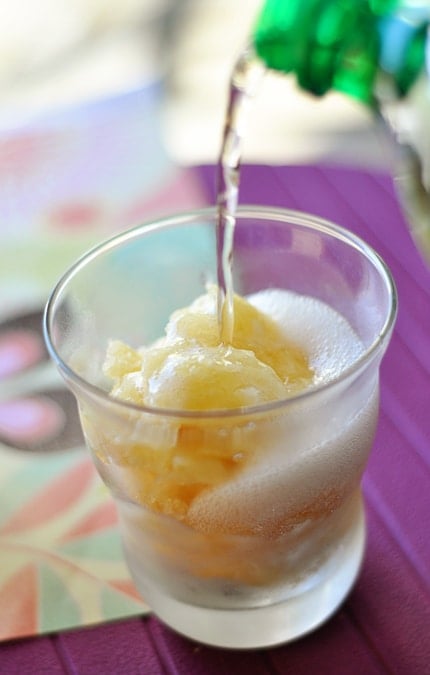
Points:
x=373, y=51
x=344, y=44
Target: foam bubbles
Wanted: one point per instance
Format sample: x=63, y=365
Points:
x=327, y=337
x=282, y=494
x=314, y=453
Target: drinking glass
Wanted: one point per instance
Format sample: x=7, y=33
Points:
x=242, y=528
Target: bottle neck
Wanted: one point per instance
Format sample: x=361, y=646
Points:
x=402, y=54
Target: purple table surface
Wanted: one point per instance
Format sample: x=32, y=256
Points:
x=384, y=626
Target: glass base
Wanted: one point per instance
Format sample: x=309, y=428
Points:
x=253, y=628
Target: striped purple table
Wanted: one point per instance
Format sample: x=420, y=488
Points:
x=384, y=626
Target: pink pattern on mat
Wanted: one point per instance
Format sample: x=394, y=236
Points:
x=18, y=350
x=44, y=505
x=102, y=516
x=30, y=419
x=19, y=595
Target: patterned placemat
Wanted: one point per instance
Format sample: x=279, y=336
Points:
x=66, y=182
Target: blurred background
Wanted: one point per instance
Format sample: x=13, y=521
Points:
x=56, y=54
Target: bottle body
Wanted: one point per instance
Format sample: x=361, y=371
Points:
x=346, y=46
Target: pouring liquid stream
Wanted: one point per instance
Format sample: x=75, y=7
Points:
x=406, y=124
x=245, y=81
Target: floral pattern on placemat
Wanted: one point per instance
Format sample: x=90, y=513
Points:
x=61, y=555
x=67, y=182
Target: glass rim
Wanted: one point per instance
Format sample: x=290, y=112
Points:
x=276, y=214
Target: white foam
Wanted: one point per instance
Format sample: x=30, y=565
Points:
x=315, y=448
x=329, y=340
x=283, y=491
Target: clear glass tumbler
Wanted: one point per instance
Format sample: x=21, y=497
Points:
x=242, y=528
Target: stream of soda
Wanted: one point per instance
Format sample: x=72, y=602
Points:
x=245, y=81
